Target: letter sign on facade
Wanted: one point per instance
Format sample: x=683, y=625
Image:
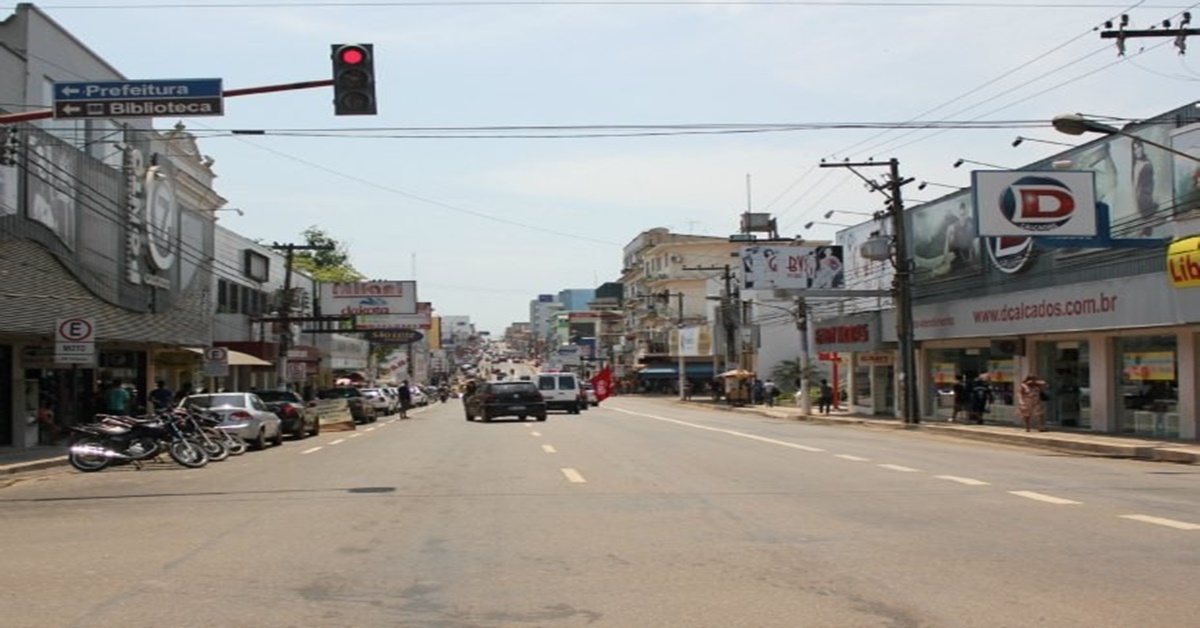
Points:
x=1183, y=262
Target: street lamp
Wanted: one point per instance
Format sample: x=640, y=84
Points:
x=1076, y=124
x=1021, y=138
x=829, y=214
x=924, y=184
x=809, y=225
x=800, y=316
x=962, y=161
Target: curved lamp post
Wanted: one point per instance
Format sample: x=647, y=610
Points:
x=1076, y=124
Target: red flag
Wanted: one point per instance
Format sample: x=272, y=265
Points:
x=602, y=383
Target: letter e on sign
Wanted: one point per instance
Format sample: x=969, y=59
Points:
x=76, y=329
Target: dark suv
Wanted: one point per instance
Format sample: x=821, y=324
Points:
x=507, y=398
x=360, y=408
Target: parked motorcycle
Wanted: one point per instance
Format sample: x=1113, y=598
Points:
x=121, y=439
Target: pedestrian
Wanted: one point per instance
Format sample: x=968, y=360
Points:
x=161, y=397
x=825, y=398
x=980, y=398
x=758, y=392
x=687, y=390
x=116, y=400
x=770, y=391
x=1030, y=397
x=960, y=397
x=405, y=395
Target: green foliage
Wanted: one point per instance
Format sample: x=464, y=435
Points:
x=787, y=373
x=332, y=265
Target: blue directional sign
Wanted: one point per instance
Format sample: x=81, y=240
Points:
x=138, y=99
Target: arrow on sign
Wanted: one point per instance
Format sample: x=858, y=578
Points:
x=70, y=91
x=69, y=109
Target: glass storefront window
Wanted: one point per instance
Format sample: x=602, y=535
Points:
x=1064, y=366
x=1147, y=386
x=861, y=395
x=945, y=365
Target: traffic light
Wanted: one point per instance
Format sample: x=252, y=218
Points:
x=353, y=79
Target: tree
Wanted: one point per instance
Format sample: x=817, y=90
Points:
x=787, y=375
x=327, y=266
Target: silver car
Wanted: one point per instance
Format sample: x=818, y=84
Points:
x=243, y=414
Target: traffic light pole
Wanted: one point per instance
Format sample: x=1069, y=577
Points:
x=285, y=307
x=43, y=114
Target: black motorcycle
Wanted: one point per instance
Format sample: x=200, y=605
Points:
x=121, y=439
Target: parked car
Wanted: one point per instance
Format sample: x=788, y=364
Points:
x=505, y=398
x=380, y=399
x=292, y=410
x=244, y=414
x=419, y=398
x=360, y=409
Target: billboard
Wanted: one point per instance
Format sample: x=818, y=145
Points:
x=369, y=298
x=423, y=319
x=770, y=267
x=1035, y=203
x=942, y=237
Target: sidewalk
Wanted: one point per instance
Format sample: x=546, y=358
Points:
x=1068, y=440
x=15, y=460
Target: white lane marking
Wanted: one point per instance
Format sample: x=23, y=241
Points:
x=549, y=449
x=763, y=439
x=573, y=476
x=896, y=467
x=967, y=481
x=1041, y=497
x=340, y=440
x=528, y=425
x=1170, y=523
x=371, y=429
x=355, y=435
x=309, y=451
x=535, y=433
x=849, y=457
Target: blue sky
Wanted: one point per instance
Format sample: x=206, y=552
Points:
x=486, y=224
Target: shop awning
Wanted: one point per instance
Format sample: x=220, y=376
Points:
x=662, y=371
x=237, y=358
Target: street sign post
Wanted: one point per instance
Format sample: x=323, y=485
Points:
x=75, y=341
x=138, y=99
x=216, y=362
x=296, y=370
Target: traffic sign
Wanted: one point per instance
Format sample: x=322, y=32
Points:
x=296, y=370
x=138, y=99
x=216, y=362
x=75, y=341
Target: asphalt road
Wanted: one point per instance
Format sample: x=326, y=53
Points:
x=640, y=513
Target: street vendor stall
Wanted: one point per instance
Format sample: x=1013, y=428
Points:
x=738, y=384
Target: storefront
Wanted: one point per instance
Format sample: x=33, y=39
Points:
x=857, y=362
x=1118, y=356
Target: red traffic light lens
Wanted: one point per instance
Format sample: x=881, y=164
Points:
x=352, y=56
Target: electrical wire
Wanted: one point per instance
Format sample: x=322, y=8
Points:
x=592, y=3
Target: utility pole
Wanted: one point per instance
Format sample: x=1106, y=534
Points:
x=805, y=364
x=909, y=405
x=728, y=311
x=285, y=306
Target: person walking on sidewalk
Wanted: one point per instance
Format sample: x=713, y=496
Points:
x=1030, y=395
x=980, y=399
x=406, y=402
x=960, y=397
x=825, y=398
x=770, y=390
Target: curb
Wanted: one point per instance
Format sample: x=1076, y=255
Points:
x=33, y=465
x=1135, y=450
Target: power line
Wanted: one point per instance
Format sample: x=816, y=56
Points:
x=595, y=3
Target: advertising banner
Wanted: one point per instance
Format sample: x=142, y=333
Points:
x=369, y=298
x=1149, y=366
x=1035, y=203
x=942, y=237
x=423, y=319
x=769, y=267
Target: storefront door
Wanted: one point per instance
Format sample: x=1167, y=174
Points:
x=884, y=390
x=6, y=396
x=1064, y=366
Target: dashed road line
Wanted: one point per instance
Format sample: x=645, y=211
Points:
x=1042, y=497
x=338, y=441
x=962, y=480
x=535, y=433
x=371, y=429
x=573, y=476
x=1170, y=523
x=849, y=457
x=355, y=435
x=761, y=439
x=897, y=467
x=309, y=451
x=549, y=449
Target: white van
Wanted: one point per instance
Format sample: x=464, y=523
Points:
x=560, y=390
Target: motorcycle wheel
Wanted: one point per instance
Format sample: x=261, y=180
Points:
x=214, y=448
x=89, y=462
x=235, y=444
x=187, y=453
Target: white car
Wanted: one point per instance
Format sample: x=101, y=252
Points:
x=380, y=399
x=419, y=398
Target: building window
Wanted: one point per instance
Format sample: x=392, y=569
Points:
x=1147, y=385
x=256, y=266
x=222, y=296
x=235, y=301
